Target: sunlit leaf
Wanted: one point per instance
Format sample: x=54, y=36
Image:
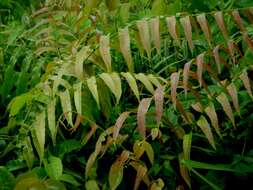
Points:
x=232, y=91
x=54, y=167
x=92, y=85
x=132, y=83
x=51, y=119
x=149, y=151
x=78, y=97
x=204, y=27
x=145, y=80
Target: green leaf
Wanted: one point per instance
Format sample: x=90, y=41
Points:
x=38, y=134
x=91, y=185
x=54, y=167
x=149, y=151
x=69, y=179
x=18, y=103
x=66, y=105
x=7, y=179
x=51, y=119
x=115, y=175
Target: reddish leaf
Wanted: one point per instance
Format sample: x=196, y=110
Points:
x=174, y=78
x=238, y=20
x=211, y=113
x=155, y=33
x=186, y=76
x=121, y=119
x=172, y=27
x=245, y=79
x=186, y=23
x=159, y=99
x=141, y=116
x=200, y=66
x=233, y=94
x=220, y=22
x=217, y=58
x=204, y=26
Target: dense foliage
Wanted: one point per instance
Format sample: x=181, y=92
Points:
x=130, y=94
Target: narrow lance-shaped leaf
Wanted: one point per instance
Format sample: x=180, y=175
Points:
x=154, y=80
x=80, y=57
x=92, y=85
x=144, y=36
x=186, y=76
x=187, y=142
x=51, y=119
x=124, y=42
x=174, y=78
x=149, y=151
x=117, y=83
x=200, y=67
x=38, y=134
x=220, y=22
x=247, y=39
x=217, y=58
x=78, y=97
x=121, y=119
x=186, y=23
x=155, y=33
x=223, y=100
x=111, y=85
x=245, y=79
x=66, y=105
x=233, y=94
x=104, y=49
x=159, y=99
x=141, y=172
x=184, y=171
x=211, y=113
x=141, y=116
x=204, y=27
x=145, y=80
x=172, y=27
x=132, y=83
x=238, y=20
x=116, y=170
x=205, y=127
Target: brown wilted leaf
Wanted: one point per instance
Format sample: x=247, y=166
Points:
x=232, y=91
x=172, y=27
x=174, y=78
x=104, y=49
x=124, y=42
x=204, y=27
x=121, y=119
x=159, y=99
x=211, y=113
x=200, y=67
x=144, y=35
x=186, y=76
x=186, y=23
x=220, y=22
x=205, y=127
x=223, y=100
x=155, y=33
x=141, y=116
x=245, y=79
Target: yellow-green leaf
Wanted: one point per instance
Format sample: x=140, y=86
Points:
x=132, y=83
x=145, y=80
x=149, y=151
x=187, y=143
x=205, y=127
x=223, y=100
x=92, y=85
x=211, y=113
